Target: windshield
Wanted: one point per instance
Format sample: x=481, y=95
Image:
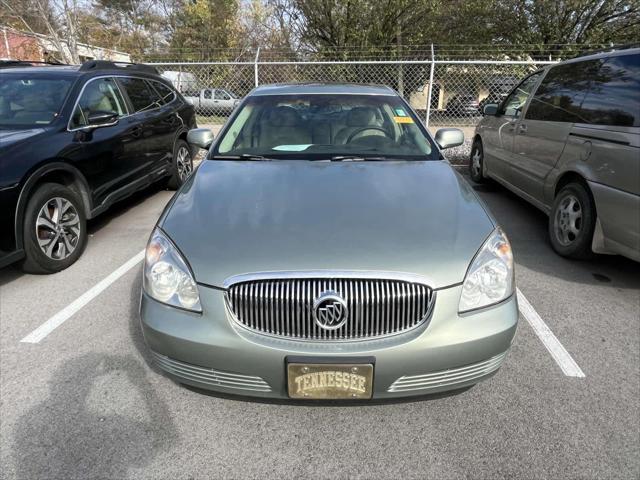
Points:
x=27, y=100
x=318, y=127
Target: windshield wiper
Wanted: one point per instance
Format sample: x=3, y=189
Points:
x=357, y=158
x=244, y=156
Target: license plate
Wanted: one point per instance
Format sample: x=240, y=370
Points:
x=330, y=381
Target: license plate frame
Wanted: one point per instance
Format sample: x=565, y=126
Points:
x=330, y=379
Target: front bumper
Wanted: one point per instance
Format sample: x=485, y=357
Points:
x=211, y=351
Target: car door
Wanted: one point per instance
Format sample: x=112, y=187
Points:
x=498, y=132
x=541, y=135
x=154, y=145
x=107, y=160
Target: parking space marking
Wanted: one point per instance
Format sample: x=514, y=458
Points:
x=63, y=315
x=564, y=360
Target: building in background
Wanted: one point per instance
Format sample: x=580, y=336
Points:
x=19, y=45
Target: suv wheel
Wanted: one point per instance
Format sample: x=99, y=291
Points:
x=572, y=221
x=55, y=231
x=476, y=162
x=182, y=164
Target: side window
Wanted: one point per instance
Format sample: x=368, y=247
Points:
x=142, y=96
x=222, y=95
x=514, y=103
x=100, y=95
x=561, y=92
x=166, y=94
x=207, y=94
x=614, y=97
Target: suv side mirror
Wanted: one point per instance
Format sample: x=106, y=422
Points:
x=102, y=118
x=490, y=109
x=200, y=137
x=449, y=137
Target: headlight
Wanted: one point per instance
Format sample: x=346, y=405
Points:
x=167, y=278
x=490, y=278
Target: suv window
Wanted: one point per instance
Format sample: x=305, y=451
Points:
x=31, y=99
x=166, y=94
x=614, y=97
x=514, y=103
x=142, y=96
x=99, y=95
x=561, y=92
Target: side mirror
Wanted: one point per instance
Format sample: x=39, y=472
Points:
x=200, y=137
x=449, y=137
x=490, y=109
x=102, y=119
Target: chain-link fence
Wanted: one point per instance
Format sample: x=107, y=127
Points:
x=443, y=93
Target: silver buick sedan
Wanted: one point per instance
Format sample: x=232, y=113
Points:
x=325, y=249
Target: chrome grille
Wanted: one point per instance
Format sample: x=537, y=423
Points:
x=283, y=307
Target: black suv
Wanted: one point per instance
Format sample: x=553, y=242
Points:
x=74, y=140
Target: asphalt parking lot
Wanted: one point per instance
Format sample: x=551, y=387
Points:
x=84, y=401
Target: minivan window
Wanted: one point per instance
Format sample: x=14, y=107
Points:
x=99, y=95
x=560, y=94
x=614, y=96
x=514, y=103
x=142, y=96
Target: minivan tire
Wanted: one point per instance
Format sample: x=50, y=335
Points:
x=43, y=218
x=181, y=165
x=572, y=222
x=476, y=162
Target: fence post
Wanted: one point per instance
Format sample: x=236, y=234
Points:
x=430, y=89
x=255, y=67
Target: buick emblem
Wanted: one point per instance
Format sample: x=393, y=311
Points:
x=330, y=311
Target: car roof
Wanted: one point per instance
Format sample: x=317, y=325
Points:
x=77, y=71
x=322, y=88
x=605, y=54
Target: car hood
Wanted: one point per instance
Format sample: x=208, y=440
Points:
x=237, y=217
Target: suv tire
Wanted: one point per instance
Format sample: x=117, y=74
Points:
x=476, y=162
x=572, y=221
x=182, y=165
x=54, y=229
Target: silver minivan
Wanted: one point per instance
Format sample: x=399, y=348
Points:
x=567, y=139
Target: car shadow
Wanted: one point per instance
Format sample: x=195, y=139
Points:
x=123, y=206
x=526, y=227
x=326, y=403
x=78, y=432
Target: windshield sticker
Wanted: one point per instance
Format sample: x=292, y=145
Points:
x=292, y=148
x=400, y=112
x=403, y=119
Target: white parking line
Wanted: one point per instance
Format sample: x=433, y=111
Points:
x=568, y=365
x=63, y=315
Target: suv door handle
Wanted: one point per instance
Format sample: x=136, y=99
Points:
x=522, y=128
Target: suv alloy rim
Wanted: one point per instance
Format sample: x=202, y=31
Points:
x=568, y=220
x=184, y=163
x=58, y=228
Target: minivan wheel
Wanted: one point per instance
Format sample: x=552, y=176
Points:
x=572, y=221
x=54, y=229
x=476, y=162
x=182, y=164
